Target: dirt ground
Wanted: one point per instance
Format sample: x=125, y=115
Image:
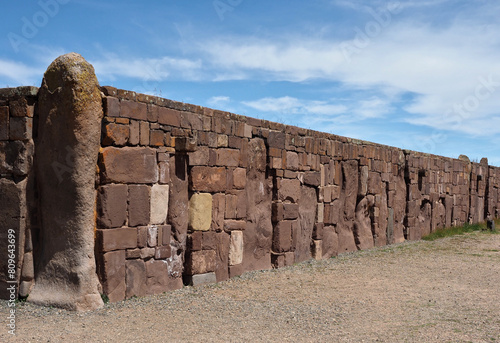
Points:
x=442, y=291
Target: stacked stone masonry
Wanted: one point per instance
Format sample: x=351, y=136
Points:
x=191, y=195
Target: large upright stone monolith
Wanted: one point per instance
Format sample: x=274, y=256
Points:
x=70, y=112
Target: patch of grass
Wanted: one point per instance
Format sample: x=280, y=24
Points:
x=104, y=298
x=454, y=231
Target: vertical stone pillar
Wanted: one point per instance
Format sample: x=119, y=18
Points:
x=70, y=110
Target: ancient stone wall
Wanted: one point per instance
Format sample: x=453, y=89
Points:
x=204, y=195
x=17, y=107
x=190, y=195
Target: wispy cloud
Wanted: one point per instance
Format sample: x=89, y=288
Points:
x=111, y=67
x=19, y=74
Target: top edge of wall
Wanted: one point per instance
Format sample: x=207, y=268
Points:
x=18, y=91
x=290, y=129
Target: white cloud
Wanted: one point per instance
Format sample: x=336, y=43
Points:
x=439, y=67
x=217, y=101
x=147, y=69
x=19, y=74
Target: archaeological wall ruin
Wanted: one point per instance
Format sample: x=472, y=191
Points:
x=186, y=195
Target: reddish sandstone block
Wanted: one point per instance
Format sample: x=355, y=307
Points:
x=20, y=128
x=228, y=157
x=133, y=110
x=112, y=206
x=115, y=134
x=277, y=212
x=208, y=179
x=111, y=106
x=290, y=211
x=191, y=121
x=4, y=123
x=276, y=139
x=222, y=260
x=232, y=225
x=142, y=236
x=194, y=241
x=318, y=231
x=128, y=165
x=156, y=138
x=292, y=160
x=144, y=133
x=117, y=239
x=218, y=211
x=132, y=254
x=113, y=275
x=312, y=179
x=282, y=236
x=241, y=204
x=289, y=189
x=199, y=157
x=169, y=116
x=231, y=206
x=200, y=262
x=162, y=252
x=239, y=178
x=134, y=137
x=135, y=274
x=139, y=205
x=153, y=111
x=209, y=240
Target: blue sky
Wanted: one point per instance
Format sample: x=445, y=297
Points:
x=421, y=75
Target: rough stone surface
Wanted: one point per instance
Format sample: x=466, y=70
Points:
x=138, y=205
x=236, y=248
x=112, y=206
x=200, y=212
x=208, y=179
x=70, y=113
x=159, y=203
x=303, y=231
x=128, y=165
x=113, y=275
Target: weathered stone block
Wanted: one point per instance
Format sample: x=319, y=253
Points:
x=159, y=203
x=200, y=212
x=290, y=211
x=289, y=189
x=239, y=178
x=129, y=165
x=312, y=179
x=276, y=139
x=222, y=260
x=199, y=157
x=144, y=133
x=232, y=225
x=20, y=128
x=113, y=275
x=236, y=248
x=152, y=236
x=282, y=236
x=134, y=137
x=135, y=274
x=111, y=106
x=162, y=252
x=133, y=110
x=4, y=123
x=115, y=134
x=209, y=240
x=208, y=179
x=169, y=116
x=138, y=205
x=218, y=211
x=318, y=231
x=112, y=206
x=228, y=157
x=200, y=262
x=16, y=157
x=292, y=160
x=317, y=251
x=117, y=239
x=231, y=206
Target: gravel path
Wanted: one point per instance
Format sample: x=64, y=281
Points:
x=442, y=291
